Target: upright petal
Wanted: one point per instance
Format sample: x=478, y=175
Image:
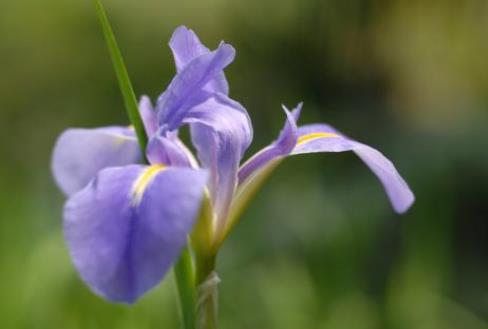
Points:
x=324, y=138
x=127, y=227
x=79, y=154
x=169, y=150
x=187, y=88
x=221, y=132
x=148, y=115
x=186, y=46
x=281, y=147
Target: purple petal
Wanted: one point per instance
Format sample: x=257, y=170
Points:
x=221, y=132
x=317, y=127
x=127, y=227
x=79, y=154
x=169, y=151
x=324, y=138
x=288, y=136
x=148, y=115
x=187, y=88
x=281, y=147
x=296, y=112
x=186, y=47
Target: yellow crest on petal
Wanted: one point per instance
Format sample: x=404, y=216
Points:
x=312, y=136
x=143, y=181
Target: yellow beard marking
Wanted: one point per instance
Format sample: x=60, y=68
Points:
x=312, y=136
x=143, y=181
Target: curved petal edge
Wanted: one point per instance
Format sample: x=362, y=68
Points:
x=127, y=227
x=79, y=154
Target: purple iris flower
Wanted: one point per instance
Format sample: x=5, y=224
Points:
x=126, y=222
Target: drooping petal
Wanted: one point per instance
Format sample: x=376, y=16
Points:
x=324, y=138
x=221, y=132
x=186, y=90
x=79, y=154
x=317, y=127
x=169, y=151
x=186, y=46
x=127, y=227
x=281, y=147
x=148, y=115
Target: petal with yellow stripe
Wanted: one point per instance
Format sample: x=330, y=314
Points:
x=318, y=138
x=128, y=226
x=323, y=138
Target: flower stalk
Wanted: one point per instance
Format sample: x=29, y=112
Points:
x=185, y=285
x=207, y=293
x=206, y=279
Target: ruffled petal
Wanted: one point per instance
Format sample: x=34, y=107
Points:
x=127, y=227
x=186, y=46
x=324, y=138
x=221, y=132
x=80, y=153
x=187, y=90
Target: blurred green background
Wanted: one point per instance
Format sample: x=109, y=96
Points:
x=320, y=246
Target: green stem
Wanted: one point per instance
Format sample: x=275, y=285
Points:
x=207, y=293
x=185, y=284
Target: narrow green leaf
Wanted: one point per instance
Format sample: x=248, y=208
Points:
x=122, y=76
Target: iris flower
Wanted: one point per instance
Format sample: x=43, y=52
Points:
x=126, y=221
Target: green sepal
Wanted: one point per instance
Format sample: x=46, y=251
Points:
x=245, y=193
x=203, y=231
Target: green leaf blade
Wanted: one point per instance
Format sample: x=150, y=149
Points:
x=125, y=84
